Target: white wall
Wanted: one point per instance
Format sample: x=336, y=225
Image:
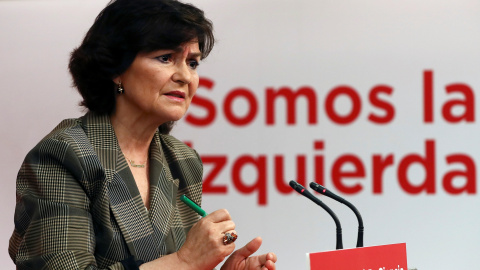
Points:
x=274, y=44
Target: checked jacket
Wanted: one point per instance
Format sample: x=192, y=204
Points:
x=78, y=206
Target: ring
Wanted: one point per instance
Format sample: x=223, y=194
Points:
x=229, y=238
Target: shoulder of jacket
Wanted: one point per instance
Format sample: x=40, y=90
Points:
x=67, y=131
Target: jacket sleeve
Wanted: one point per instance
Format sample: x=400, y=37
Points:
x=53, y=221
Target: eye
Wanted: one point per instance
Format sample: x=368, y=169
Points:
x=166, y=58
x=193, y=64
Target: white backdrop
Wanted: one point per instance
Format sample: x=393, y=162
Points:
x=264, y=46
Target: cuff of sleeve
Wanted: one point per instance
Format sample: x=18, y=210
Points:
x=130, y=263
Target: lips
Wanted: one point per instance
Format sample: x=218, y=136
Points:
x=176, y=94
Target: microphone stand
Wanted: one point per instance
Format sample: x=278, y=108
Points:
x=300, y=189
x=322, y=190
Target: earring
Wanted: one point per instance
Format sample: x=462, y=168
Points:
x=120, y=88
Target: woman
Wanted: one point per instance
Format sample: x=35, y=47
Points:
x=102, y=191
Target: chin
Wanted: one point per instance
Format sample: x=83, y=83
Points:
x=174, y=117
x=169, y=113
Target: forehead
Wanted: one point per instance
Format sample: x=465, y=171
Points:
x=189, y=47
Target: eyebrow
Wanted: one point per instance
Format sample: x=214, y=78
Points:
x=179, y=49
x=199, y=54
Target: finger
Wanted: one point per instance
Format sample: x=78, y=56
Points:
x=219, y=216
x=269, y=265
x=230, y=231
x=250, y=248
x=226, y=226
x=272, y=257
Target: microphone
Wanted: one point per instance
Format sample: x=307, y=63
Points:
x=300, y=189
x=321, y=189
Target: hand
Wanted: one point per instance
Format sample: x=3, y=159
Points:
x=241, y=260
x=204, y=248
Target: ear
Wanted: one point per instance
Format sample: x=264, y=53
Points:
x=117, y=80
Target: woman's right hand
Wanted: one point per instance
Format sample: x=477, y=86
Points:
x=204, y=248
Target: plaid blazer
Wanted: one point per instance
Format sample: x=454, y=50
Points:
x=78, y=206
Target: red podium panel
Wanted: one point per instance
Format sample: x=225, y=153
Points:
x=386, y=257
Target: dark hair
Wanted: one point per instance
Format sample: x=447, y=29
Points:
x=122, y=30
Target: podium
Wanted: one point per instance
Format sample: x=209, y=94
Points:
x=384, y=257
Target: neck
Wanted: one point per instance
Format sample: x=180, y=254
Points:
x=134, y=135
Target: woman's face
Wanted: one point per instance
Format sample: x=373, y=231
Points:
x=161, y=84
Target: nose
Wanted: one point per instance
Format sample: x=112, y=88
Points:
x=182, y=74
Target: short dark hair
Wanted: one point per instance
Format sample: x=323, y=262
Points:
x=122, y=30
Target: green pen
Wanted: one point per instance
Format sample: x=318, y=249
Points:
x=193, y=205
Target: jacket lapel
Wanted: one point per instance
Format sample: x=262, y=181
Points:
x=130, y=213
x=163, y=193
x=125, y=201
